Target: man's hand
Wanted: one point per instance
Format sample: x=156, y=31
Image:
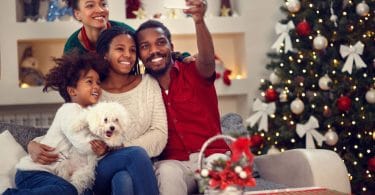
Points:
x=99, y=147
x=196, y=10
x=205, y=61
x=41, y=153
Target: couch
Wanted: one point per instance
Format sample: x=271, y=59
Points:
x=293, y=168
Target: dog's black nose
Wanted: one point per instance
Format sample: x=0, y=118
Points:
x=112, y=128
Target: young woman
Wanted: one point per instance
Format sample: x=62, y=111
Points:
x=77, y=80
x=140, y=94
x=93, y=14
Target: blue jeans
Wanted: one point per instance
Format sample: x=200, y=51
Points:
x=113, y=171
x=40, y=183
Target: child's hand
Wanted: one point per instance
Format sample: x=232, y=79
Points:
x=41, y=153
x=99, y=147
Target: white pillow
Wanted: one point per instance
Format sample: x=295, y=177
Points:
x=10, y=152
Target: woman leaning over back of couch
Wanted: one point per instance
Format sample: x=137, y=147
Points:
x=93, y=14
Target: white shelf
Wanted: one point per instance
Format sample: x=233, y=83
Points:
x=237, y=87
x=34, y=95
x=185, y=26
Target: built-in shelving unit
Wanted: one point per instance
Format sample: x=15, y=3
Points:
x=47, y=40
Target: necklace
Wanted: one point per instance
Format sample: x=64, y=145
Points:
x=85, y=39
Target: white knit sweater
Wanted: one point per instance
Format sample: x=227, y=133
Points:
x=61, y=137
x=147, y=111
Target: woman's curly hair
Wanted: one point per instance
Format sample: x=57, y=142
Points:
x=70, y=67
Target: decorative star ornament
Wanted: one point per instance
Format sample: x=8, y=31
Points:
x=225, y=11
x=140, y=13
x=172, y=13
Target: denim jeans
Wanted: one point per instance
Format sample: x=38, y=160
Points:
x=40, y=183
x=113, y=171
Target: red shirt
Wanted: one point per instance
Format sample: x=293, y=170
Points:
x=192, y=112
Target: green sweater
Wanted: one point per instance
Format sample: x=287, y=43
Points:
x=73, y=41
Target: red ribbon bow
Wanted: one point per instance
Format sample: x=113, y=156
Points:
x=242, y=147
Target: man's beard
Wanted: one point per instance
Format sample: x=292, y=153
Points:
x=159, y=72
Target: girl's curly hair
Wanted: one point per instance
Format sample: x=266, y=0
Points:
x=70, y=67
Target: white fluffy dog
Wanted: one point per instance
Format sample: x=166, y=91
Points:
x=107, y=121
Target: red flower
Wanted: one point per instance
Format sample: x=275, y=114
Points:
x=242, y=146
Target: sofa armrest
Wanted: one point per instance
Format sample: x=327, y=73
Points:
x=305, y=168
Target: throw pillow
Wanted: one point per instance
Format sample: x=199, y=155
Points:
x=10, y=152
x=23, y=134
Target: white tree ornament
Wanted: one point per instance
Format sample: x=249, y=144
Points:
x=297, y=106
x=331, y=138
x=283, y=31
x=320, y=42
x=362, y=9
x=293, y=5
x=370, y=96
x=352, y=53
x=262, y=112
x=324, y=82
x=309, y=130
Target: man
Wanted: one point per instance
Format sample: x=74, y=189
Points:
x=190, y=99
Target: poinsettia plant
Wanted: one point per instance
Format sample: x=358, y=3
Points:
x=234, y=171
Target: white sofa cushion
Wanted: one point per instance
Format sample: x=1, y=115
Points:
x=10, y=152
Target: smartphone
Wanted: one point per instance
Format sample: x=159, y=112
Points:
x=175, y=4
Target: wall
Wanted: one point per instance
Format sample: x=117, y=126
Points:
x=261, y=16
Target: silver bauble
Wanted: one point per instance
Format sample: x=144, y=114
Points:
x=324, y=82
x=370, y=96
x=297, y=106
x=362, y=9
x=331, y=138
x=293, y=5
x=320, y=42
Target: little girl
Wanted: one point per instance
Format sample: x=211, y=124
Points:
x=77, y=80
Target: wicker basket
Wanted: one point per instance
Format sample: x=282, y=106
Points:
x=231, y=189
x=207, y=143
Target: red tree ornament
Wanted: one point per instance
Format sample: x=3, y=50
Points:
x=344, y=103
x=303, y=28
x=271, y=95
x=256, y=140
x=371, y=164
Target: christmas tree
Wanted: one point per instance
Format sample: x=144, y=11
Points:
x=321, y=89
